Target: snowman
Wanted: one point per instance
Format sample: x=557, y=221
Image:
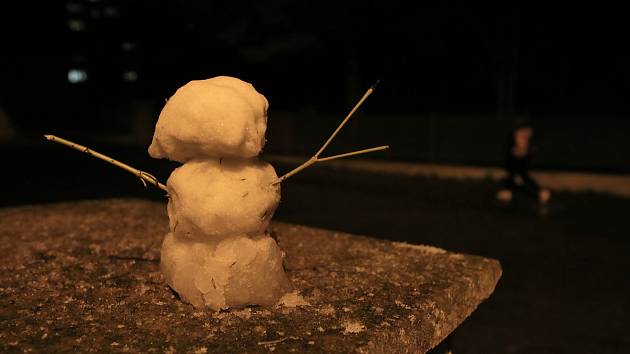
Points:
x=218, y=252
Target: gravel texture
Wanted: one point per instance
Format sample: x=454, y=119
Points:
x=85, y=277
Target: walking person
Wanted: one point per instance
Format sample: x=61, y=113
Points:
x=517, y=160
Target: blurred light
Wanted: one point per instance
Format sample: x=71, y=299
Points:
x=74, y=8
x=76, y=25
x=128, y=46
x=130, y=76
x=110, y=11
x=76, y=76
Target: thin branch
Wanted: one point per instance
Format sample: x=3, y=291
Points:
x=277, y=341
x=345, y=120
x=364, y=151
x=316, y=158
x=144, y=176
x=306, y=164
x=313, y=160
x=272, y=342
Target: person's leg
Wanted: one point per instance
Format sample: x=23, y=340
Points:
x=505, y=193
x=533, y=188
x=544, y=195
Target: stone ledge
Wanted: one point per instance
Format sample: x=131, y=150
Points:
x=85, y=277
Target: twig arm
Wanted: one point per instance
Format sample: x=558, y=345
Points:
x=144, y=176
x=345, y=120
x=364, y=151
x=306, y=164
x=313, y=160
x=316, y=157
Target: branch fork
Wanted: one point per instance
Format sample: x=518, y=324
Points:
x=315, y=158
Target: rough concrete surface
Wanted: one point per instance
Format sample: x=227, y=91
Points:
x=84, y=277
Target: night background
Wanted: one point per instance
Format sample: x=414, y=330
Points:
x=453, y=79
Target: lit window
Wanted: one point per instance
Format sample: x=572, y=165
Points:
x=76, y=76
x=127, y=46
x=110, y=11
x=76, y=25
x=130, y=76
x=74, y=8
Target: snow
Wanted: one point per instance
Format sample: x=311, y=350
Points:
x=352, y=327
x=421, y=248
x=218, y=117
x=292, y=299
x=221, y=200
x=218, y=198
x=235, y=272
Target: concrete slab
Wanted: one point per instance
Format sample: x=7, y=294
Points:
x=85, y=277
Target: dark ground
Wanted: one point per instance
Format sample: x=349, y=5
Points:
x=565, y=285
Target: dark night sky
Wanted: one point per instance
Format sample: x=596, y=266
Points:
x=435, y=58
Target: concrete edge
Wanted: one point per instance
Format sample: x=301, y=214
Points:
x=616, y=185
